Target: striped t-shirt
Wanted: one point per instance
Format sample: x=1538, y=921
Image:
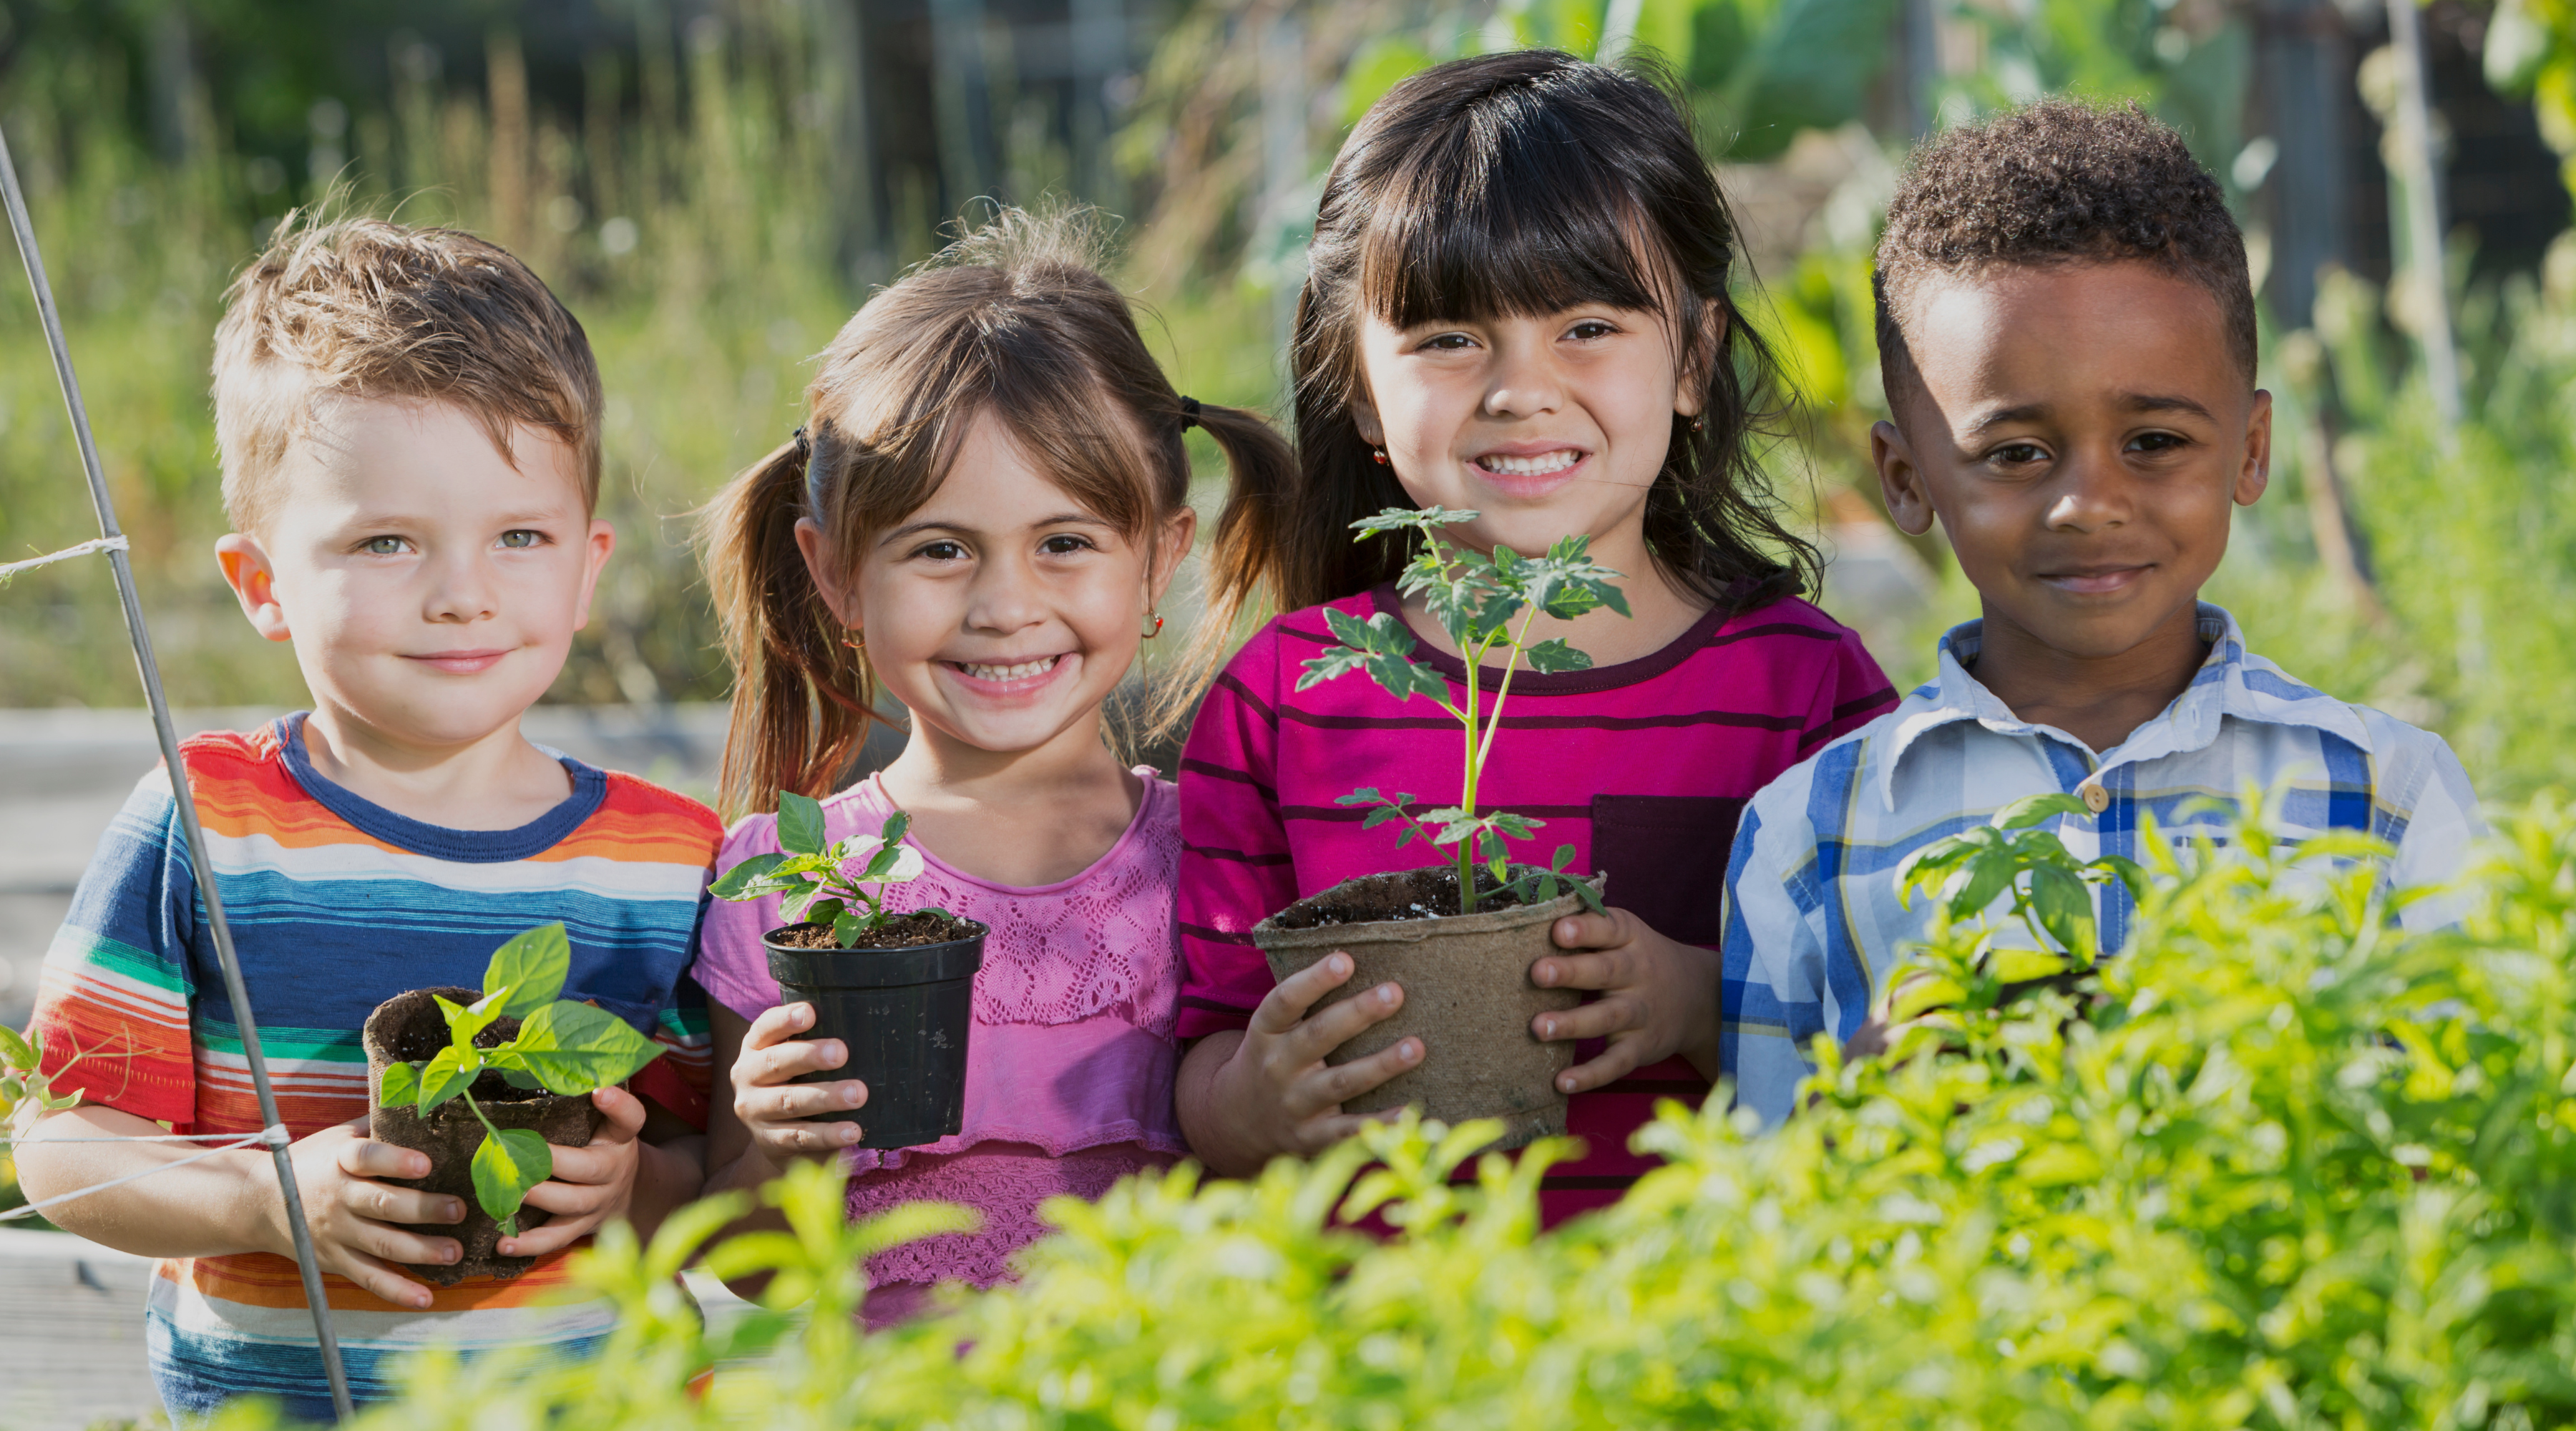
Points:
x=337, y=904
x=1641, y=766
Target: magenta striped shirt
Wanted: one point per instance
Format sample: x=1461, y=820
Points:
x=1642, y=767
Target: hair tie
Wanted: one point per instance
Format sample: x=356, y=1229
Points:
x=804, y=445
x=1190, y=414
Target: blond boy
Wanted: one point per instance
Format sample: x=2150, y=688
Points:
x=409, y=431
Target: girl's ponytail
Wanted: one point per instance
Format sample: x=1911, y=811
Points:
x=1261, y=475
x=794, y=725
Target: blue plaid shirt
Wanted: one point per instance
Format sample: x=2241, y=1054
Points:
x=1812, y=920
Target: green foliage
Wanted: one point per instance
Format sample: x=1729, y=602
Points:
x=2296, y=1169
x=2011, y=855
x=822, y=882
x=26, y=1090
x=561, y=1046
x=1474, y=597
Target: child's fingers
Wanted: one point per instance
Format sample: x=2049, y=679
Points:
x=1329, y=1028
x=384, y=1202
x=383, y=1278
x=777, y=1025
x=1619, y=967
x=1594, y=931
x=1599, y=1019
x=367, y=1158
x=786, y=1142
x=625, y=1116
x=1616, y=1062
x=1325, y=1088
x=558, y=1233
x=1286, y=1004
x=781, y=1062
x=796, y=1101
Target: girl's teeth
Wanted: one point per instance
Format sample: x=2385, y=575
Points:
x=1008, y=673
x=1539, y=466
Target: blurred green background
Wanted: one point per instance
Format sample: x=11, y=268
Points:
x=713, y=187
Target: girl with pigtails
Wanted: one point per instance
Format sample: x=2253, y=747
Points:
x=980, y=517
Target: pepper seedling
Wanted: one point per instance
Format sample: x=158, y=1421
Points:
x=1475, y=598
x=828, y=883
x=562, y=1047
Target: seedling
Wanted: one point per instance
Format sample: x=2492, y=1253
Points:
x=25, y=1088
x=1476, y=599
x=828, y=884
x=2050, y=896
x=562, y=1047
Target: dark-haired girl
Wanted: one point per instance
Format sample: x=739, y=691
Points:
x=1517, y=303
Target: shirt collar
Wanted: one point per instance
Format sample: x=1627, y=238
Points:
x=2230, y=682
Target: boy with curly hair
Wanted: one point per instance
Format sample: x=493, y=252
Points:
x=2066, y=330
x=408, y=424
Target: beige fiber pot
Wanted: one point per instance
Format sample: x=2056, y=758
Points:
x=1467, y=995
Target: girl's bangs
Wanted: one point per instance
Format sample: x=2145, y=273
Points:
x=1516, y=216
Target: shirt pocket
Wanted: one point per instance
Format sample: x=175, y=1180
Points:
x=1666, y=858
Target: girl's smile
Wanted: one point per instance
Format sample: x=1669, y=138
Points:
x=1017, y=682
x=1529, y=470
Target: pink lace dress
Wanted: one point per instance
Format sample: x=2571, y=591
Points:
x=1069, y=1071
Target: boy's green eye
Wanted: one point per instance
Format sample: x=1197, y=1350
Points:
x=520, y=539
x=383, y=546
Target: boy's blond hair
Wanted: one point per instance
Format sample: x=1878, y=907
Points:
x=366, y=308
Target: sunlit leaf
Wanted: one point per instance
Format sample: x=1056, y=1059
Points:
x=399, y=1086
x=740, y=882
x=2034, y=809
x=533, y=966
x=446, y=1075
x=800, y=824
x=574, y=1048
x=506, y=1166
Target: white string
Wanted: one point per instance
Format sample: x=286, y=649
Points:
x=100, y=544
x=261, y=1137
x=31, y=1209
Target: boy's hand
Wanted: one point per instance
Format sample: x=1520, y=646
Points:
x=1275, y=1094
x=777, y=1113
x=1658, y=997
x=590, y=1184
x=353, y=1216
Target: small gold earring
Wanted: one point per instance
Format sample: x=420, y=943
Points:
x=1157, y=628
x=1699, y=424
x=1378, y=456
x=860, y=644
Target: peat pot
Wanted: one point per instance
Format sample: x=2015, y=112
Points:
x=1467, y=994
x=903, y=1014
x=408, y=1028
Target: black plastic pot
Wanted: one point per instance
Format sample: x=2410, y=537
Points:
x=904, y=1015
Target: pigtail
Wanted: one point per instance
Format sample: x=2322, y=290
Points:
x=1261, y=478
x=796, y=724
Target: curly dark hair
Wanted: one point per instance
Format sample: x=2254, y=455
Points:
x=2058, y=182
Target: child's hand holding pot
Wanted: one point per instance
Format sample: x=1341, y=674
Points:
x=777, y=1112
x=591, y=1184
x=363, y=1224
x=1658, y=997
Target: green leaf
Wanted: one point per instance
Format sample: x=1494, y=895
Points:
x=1365, y=795
x=1550, y=657
x=847, y=928
x=739, y=882
x=2127, y=871
x=509, y=1163
x=519, y=1077
x=1380, y=816
x=399, y=1086
x=533, y=966
x=827, y=911
x=1976, y=883
x=447, y=1075
x=897, y=825
x=2032, y=809
x=1512, y=826
x=16, y=1052
x=465, y=1021
x=574, y=1048
x=1564, y=857
x=2064, y=908
x=800, y=824
x=795, y=908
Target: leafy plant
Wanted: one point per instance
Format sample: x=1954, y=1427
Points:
x=822, y=882
x=25, y=1088
x=562, y=1047
x=2051, y=898
x=1476, y=599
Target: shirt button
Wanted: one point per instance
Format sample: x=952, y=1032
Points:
x=2096, y=799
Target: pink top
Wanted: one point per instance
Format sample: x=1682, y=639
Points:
x=1069, y=1069
x=1641, y=766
